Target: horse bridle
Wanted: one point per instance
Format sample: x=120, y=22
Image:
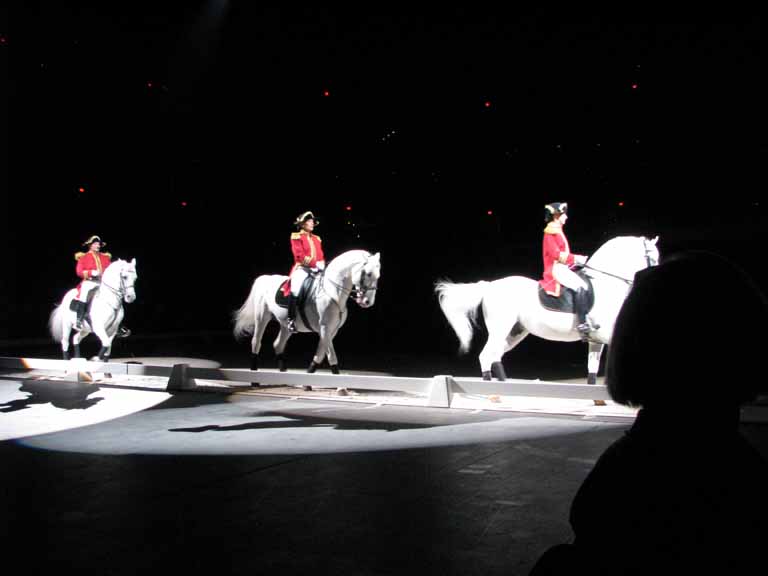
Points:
x=119, y=292
x=360, y=290
x=356, y=291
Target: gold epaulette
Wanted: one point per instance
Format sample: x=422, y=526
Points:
x=108, y=255
x=79, y=255
x=296, y=236
x=318, y=237
x=553, y=228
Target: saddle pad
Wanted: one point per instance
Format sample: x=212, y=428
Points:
x=281, y=296
x=564, y=303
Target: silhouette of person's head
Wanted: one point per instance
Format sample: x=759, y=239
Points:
x=687, y=335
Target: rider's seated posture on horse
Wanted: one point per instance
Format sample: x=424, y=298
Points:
x=90, y=268
x=308, y=258
x=558, y=264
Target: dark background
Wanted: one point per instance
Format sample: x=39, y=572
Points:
x=198, y=131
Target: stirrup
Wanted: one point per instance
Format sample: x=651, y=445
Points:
x=123, y=332
x=292, y=326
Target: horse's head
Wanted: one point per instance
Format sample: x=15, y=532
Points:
x=366, y=280
x=121, y=277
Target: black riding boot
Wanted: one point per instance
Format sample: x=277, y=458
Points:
x=80, y=314
x=292, y=313
x=581, y=304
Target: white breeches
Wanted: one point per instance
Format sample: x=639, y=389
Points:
x=567, y=277
x=85, y=288
x=297, y=279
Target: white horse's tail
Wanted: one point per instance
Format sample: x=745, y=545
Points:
x=245, y=317
x=460, y=303
x=56, y=322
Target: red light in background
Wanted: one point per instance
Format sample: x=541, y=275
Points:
x=487, y=104
x=81, y=190
x=621, y=203
x=149, y=84
x=348, y=208
x=326, y=93
x=183, y=203
x=634, y=86
x=490, y=212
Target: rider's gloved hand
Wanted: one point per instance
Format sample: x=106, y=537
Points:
x=321, y=265
x=94, y=273
x=580, y=260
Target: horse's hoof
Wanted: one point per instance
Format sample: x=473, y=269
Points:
x=254, y=362
x=592, y=379
x=342, y=392
x=255, y=385
x=306, y=388
x=486, y=375
x=497, y=370
x=312, y=368
x=282, y=365
x=335, y=369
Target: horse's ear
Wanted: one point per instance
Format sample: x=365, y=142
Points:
x=133, y=262
x=377, y=256
x=655, y=240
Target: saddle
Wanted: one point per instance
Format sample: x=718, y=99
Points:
x=88, y=302
x=281, y=298
x=565, y=302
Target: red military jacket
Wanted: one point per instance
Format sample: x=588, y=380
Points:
x=555, y=248
x=89, y=261
x=307, y=249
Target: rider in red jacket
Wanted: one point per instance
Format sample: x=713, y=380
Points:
x=308, y=257
x=558, y=264
x=90, y=268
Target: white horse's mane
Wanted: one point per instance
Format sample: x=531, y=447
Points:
x=350, y=256
x=608, y=251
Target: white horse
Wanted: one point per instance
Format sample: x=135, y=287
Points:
x=355, y=273
x=106, y=310
x=512, y=309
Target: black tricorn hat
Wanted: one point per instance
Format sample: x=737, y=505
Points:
x=304, y=217
x=553, y=209
x=93, y=239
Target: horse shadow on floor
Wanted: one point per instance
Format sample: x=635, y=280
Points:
x=64, y=395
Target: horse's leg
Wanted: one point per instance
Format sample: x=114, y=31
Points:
x=490, y=356
x=76, y=339
x=322, y=347
x=513, y=339
x=279, y=345
x=593, y=361
x=66, y=329
x=333, y=360
x=262, y=319
x=106, y=342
